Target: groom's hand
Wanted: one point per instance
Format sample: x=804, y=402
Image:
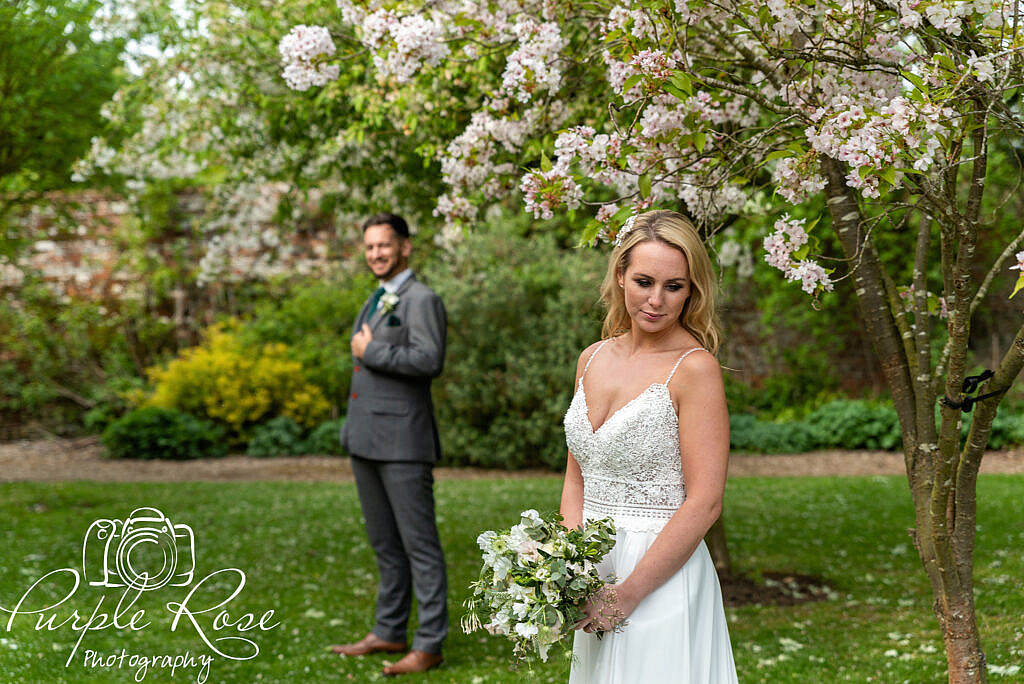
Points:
x=360, y=340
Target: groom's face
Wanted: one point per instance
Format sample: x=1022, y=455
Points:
x=387, y=253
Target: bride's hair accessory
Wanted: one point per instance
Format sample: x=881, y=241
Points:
x=625, y=230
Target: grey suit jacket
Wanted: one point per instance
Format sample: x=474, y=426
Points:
x=390, y=411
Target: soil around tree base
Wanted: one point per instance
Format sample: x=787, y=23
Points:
x=776, y=589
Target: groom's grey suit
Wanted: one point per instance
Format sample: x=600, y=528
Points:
x=392, y=437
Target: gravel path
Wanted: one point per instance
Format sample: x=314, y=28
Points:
x=81, y=459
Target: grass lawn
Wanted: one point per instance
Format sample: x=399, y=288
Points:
x=305, y=556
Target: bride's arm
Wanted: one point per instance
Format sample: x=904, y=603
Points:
x=704, y=444
x=572, y=488
x=572, y=494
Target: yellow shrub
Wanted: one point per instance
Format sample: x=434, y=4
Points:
x=236, y=385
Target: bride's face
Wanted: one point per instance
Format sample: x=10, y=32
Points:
x=656, y=285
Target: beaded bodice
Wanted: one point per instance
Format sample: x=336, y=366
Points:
x=631, y=463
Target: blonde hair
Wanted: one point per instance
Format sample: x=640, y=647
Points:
x=667, y=227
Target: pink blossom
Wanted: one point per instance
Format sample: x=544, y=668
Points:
x=533, y=66
x=811, y=275
x=1020, y=262
x=653, y=63
x=302, y=52
x=544, y=191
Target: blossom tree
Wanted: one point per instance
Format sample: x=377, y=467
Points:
x=889, y=110
x=202, y=114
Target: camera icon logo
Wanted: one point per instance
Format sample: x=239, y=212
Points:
x=144, y=551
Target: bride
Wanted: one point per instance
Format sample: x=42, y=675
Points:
x=648, y=437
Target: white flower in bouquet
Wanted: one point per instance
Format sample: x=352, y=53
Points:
x=535, y=579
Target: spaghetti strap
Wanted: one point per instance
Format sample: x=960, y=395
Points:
x=680, y=360
x=585, y=368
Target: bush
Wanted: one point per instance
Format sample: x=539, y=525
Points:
x=747, y=433
x=237, y=385
x=855, y=424
x=280, y=436
x=324, y=439
x=1007, y=429
x=519, y=313
x=150, y=433
x=314, y=319
x=60, y=360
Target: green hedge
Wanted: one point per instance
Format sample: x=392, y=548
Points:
x=851, y=424
x=155, y=433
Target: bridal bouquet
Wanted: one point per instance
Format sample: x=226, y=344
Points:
x=535, y=580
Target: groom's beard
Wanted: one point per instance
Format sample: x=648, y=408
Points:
x=395, y=269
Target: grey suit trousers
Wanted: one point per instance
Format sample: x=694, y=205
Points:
x=397, y=499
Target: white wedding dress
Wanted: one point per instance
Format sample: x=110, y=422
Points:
x=632, y=474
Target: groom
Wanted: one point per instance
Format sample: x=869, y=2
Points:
x=390, y=433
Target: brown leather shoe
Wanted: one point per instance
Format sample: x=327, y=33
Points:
x=414, y=661
x=371, y=643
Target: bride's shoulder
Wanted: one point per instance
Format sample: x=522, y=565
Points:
x=699, y=369
x=586, y=355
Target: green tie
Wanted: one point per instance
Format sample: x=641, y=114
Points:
x=377, y=294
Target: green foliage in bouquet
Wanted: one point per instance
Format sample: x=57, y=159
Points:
x=535, y=579
x=151, y=433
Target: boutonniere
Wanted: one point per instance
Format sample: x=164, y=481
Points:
x=388, y=302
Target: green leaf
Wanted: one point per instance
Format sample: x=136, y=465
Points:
x=644, y=184
x=672, y=89
x=631, y=81
x=622, y=214
x=802, y=253
x=589, y=232
x=545, y=163
x=946, y=62
x=1020, y=285
x=916, y=80
x=889, y=175
x=699, y=140
x=682, y=81
x=779, y=154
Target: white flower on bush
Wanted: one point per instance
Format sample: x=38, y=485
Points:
x=302, y=52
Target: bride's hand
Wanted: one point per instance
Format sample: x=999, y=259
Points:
x=607, y=609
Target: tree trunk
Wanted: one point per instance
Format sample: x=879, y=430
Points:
x=715, y=539
x=941, y=478
x=963, y=644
